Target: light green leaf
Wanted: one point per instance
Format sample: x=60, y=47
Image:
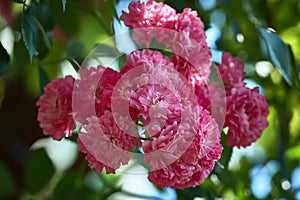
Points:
x=293, y=153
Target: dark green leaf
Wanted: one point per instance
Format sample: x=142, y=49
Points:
x=45, y=36
x=41, y=11
x=72, y=187
x=36, y=29
x=6, y=184
x=64, y=2
x=44, y=79
x=39, y=171
x=29, y=34
x=44, y=22
x=277, y=52
x=4, y=60
x=227, y=151
x=75, y=50
x=18, y=1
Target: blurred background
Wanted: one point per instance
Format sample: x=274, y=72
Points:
x=53, y=39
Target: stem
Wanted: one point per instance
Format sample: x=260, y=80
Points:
x=48, y=190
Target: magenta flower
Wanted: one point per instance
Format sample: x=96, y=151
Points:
x=182, y=156
x=105, y=144
x=144, y=16
x=156, y=106
x=232, y=71
x=92, y=93
x=147, y=58
x=246, y=117
x=55, y=108
x=191, y=25
x=149, y=14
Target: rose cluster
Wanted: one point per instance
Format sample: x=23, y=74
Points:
x=160, y=106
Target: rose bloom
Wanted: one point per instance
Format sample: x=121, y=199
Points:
x=148, y=14
x=55, y=108
x=246, y=116
x=232, y=71
x=92, y=93
x=105, y=144
x=182, y=156
x=144, y=16
x=145, y=57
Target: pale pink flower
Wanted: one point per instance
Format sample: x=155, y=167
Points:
x=191, y=25
x=84, y=98
x=232, y=71
x=193, y=72
x=105, y=144
x=92, y=93
x=157, y=92
x=181, y=155
x=246, y=117
x=155, y=105
x=55, y=108
x=147, y=58
x=148, y=14
x=192, y=56
x=143, y=16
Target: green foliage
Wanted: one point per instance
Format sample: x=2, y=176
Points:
x=4, y=60
x=7, y=184
x=29, y=32
x=53, y=31
x=44, y=79
x=75, y=50
x=36, y=29
x=39, y=171
x=281, y=56
x=18, y=1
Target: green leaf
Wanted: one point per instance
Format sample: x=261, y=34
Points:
x=293, y=153
x=64, y=2
x=75, y=50
x=29, y=34
x=7, y=184
x=44, y=23
x=295, y=67
x=18, y=1
x=44, y=35
x=227, y=151
x=39, y=171
x=4, y=60
x=278, y=53
x=44, y=79
x=72, y=186
x=41, y=11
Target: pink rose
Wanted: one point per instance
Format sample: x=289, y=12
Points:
x=182, y=156
x=232, y=71
x=92, y=93
x=246, y=117
x=55, y=108
x=105, y=144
